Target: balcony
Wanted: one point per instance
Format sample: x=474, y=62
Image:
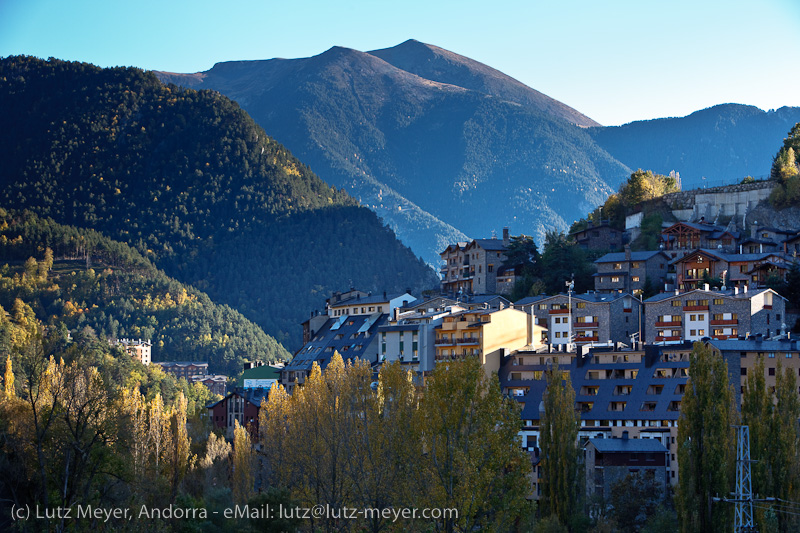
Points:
x=444, y=341
x=468, y=340
x=729, y=322
x=659, y=338
x=558, y=311
x=695, y=308
x=668, y=324
x=587, y=339
x=586, y=325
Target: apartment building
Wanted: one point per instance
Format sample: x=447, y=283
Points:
x=696, y=267
x=619, y=391
x=139, y=349
x=473, y=267
x=697, y=314
x=593, y=317
x=353, y=336
x=488, y=335
x=628, y=272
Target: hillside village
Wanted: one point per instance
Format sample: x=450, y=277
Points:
x=627, y=355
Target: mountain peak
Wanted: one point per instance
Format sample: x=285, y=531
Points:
x=441, y=65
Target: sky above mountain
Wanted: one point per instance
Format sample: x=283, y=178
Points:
x=615, y=61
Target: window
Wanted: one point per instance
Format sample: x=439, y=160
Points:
x=543, y=307
x=718, y=301
x=635, y=279
x=615, y=279
x=490, y=268
x=676, y=303
x=581, y=305
x=744, y=371
x=636, y=265
x=617, y=266
x=771, y=355
x=771, y=371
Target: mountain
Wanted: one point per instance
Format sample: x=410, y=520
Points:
x=437, y=64
x=465, y=153
x=188, y=179
x=106, y=285
x=724, y=143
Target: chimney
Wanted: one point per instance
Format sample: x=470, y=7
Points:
x=506, y=239
x=744, y=289
x=706, y=287
x=625, y=435
x=627, y=252
x=736, y=290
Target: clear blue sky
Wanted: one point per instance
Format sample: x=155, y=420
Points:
x=614, y=60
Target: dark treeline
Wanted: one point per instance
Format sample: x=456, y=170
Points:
x=177, y=173
x=90, y=281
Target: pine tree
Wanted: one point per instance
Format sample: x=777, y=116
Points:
x=559, y=447
x=706, y=444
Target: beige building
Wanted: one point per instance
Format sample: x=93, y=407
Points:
x=138, y=349
x=488, y=335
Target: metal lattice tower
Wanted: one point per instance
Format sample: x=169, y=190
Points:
x=743, y=499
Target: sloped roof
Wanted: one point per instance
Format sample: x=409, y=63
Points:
x=628, y=445
x=619, y=257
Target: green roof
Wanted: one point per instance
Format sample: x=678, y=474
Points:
x=260, y=372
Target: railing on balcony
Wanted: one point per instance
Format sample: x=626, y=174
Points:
x=668, y=324
x=444, y=340
x=587, y=325
x=726, y=322
x=695, y=308
x=468, y=340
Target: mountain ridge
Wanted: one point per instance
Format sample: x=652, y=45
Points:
x=399, y=141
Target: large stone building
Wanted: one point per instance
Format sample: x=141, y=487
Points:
x=594, y=317
x=473, y=267
x=630, y=271
x=695, y=268
x=694, y=315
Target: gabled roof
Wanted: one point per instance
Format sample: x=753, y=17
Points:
x=730, y=293
x=490, y=245
x=619, y=257
x=353, y=336
x=530, y=300
x=628, y=445
x=372, y=299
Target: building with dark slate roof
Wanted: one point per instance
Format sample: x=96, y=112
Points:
x=694, y=315
x=473, y=267
x=595, y=317
x=608, y=461
x=629, y=271
x=353, y=336
x=617, y=390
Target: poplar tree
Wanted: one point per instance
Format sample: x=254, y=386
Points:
x=784, y=450
x=706, y=444
x=8, y=379
x=469, y=433
x=242, y=478
x=558, y=442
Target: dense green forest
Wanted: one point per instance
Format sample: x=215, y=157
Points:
x=98, y=287
x=190, y=181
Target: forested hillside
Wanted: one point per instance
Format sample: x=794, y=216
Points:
x=189, y=180
x=98, y=287
x=723, y=144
